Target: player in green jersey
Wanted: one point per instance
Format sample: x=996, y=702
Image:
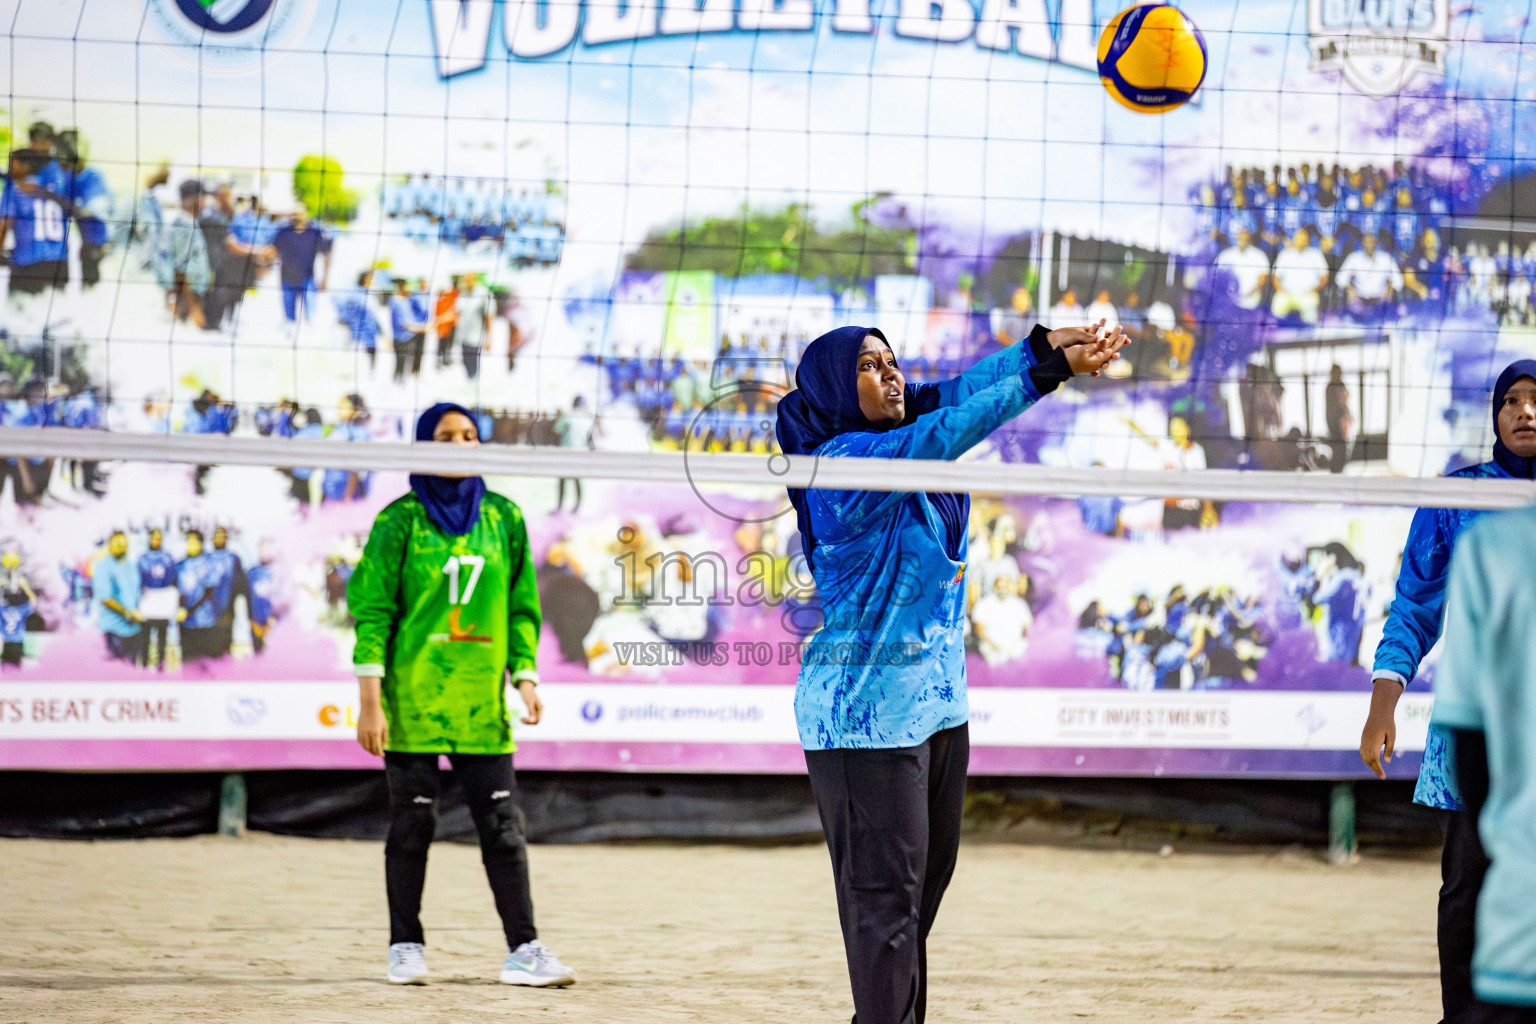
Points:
x=447, y=606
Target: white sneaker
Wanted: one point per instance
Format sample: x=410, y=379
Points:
x=533, y=964
x=407, y=964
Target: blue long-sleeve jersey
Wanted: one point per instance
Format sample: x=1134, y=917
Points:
x=888, y=668
x=1416, y=618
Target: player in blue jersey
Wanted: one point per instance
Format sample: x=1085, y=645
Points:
x=159, y=601
x=208, y=414
x=1405, y=225
x=92, y=205
x=1371, y=219
x=1339, y=595
x=392, y=198
x=34, y=208
x=83, y=412
x=1325, y=215
x=1207, y=215
x=1239, y=218
x=355, y=310
x=250, y=237
x=408, y=329
x=30, y=476
x=1413, y=625
x=276, y=420
x=1295, y=210
x=300, y=244
x=1270, y=209
x=428, y=210
x=231, y=579
x=1425, y=281
x=310, y=426
x=17, y=603
x=261, y=580
x=207, y=582
x=351, y=425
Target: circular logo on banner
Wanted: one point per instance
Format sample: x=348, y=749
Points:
x=228, y=36
x=224, y=15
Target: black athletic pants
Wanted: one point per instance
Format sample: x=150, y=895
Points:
x=489, y=788
x=90, y=264
x=892, y=820
x=1470, y=749
x=1462, y=866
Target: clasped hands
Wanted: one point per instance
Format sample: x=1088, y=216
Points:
x=1087, y=351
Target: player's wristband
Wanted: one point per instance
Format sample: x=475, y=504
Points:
x=1050, y=372
x=1040, y=344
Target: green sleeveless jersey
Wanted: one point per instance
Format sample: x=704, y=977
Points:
x=442, y=620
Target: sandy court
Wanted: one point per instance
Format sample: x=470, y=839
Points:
x=268, y=929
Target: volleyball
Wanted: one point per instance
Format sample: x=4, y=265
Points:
x=1151, y=58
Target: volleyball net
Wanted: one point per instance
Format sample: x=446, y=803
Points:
x=247, y=242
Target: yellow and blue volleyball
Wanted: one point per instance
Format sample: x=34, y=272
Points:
x=1151, y=58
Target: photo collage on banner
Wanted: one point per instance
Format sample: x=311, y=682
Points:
x=616, y=228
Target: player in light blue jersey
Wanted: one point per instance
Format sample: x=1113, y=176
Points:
x=351, y=425
x=1483, y=697
x=356, y=309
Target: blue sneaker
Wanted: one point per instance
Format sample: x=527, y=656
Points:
x=533, y=964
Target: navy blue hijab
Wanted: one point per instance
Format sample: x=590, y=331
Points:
x=825, y=403
x=1514, y=465
x=452, y=505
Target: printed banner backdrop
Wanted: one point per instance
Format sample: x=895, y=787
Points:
x=616, y=227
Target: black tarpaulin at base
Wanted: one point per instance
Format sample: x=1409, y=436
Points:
x=579, y=807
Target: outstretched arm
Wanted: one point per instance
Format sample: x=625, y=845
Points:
x=948, y=432
x=1034, y=351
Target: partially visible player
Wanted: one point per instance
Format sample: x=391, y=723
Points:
x=1483, y=696
x=1413, y=625
x=33, y=209
x=300, y=244
x=447, y=610
x=159, y=598
x=92, y=201
x=17, y=603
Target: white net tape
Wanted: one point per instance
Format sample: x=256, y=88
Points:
x=775, y=471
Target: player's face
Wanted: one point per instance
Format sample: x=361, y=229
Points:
x=882, y=388
x=220, y=538
x=1517, y=418
x=194, y=546
x=156, y=538
x=118, y=545
x=456, y=428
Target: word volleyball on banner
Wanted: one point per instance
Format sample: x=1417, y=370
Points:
x=462, y=28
